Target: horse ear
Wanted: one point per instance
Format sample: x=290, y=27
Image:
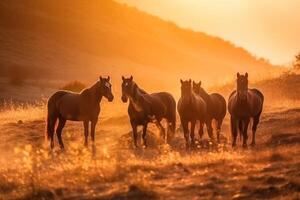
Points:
x=246, y=75
x=108, y=78
x=181, y=81
x=238, y=75
x=199, y=83
x=131, y=78
x=123, y=78
x=190, y=80
x=100, y=78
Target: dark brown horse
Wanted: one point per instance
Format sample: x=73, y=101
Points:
x=191, y=108
x=244, y=104
x=84, y=106
x=216, y=109
x=144, y=108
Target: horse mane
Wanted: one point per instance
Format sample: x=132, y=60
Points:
x=204, y=94
x=232, y=93
x=91, y=92
x=136, y=89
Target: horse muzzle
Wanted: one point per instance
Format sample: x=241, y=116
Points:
x=110, y=98
x=124, y=99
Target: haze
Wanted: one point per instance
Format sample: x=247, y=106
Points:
x=268, y=29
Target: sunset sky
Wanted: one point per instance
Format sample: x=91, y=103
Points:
x=267, y=28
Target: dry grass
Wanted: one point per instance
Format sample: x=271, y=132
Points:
x=113, y=170
x=12, y=113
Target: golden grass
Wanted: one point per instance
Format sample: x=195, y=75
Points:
x=12, y=113
x=112, y=170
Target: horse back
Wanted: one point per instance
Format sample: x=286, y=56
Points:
x=55, y=97
x=256, y=100
x=257, y=92
x=219, y=106
x=251, y=108
x=77, y=107
x=166, y=100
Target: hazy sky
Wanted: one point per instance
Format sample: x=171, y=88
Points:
x=267, y=28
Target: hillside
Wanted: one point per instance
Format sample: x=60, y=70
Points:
x=284, y=88
x=81, y=39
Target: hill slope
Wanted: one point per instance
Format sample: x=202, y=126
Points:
x=81, y=39
x=281, y=90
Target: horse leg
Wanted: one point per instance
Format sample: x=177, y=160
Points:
x=86, y=132
x=93, y=127
x=201, y=129
x=240, y=126
x=219, y=124
x=209, y=129
x=134, y=134
x=193, y=124
x=162, y=130
x=51, y=121
x=145, y=135
x=254, y=127
x=61, y=124
x=245, y=134
x=233, y=123
x=185, y=127
x=171, y=129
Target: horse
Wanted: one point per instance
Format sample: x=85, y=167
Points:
x=144, y=108
x=244, y=104
x=216, y=109
x=191, y=108
x=84, y=106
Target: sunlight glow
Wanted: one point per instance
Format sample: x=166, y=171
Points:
x=267, y=28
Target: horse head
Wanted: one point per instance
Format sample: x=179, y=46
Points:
x=105, y=88
x=186, y=88
x=242, y=86
x=197, y=87
x=128, y=86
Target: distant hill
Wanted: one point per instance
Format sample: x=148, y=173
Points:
x=283, y=87
x=74, y=39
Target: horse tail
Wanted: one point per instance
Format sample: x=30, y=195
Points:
x=223, y=106
x=171, y=104
x=173, y=122
x=50, y=126
x=52, y=114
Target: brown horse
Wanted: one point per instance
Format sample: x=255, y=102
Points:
x=144, y=108
x=84, y=106
x=191, y=107
x=216, y=109
x=244, y=104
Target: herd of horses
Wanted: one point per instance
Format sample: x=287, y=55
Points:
x=195, y=105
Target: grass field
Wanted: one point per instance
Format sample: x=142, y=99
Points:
x=113, y=170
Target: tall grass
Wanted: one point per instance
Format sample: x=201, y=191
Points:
x=11, y=112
